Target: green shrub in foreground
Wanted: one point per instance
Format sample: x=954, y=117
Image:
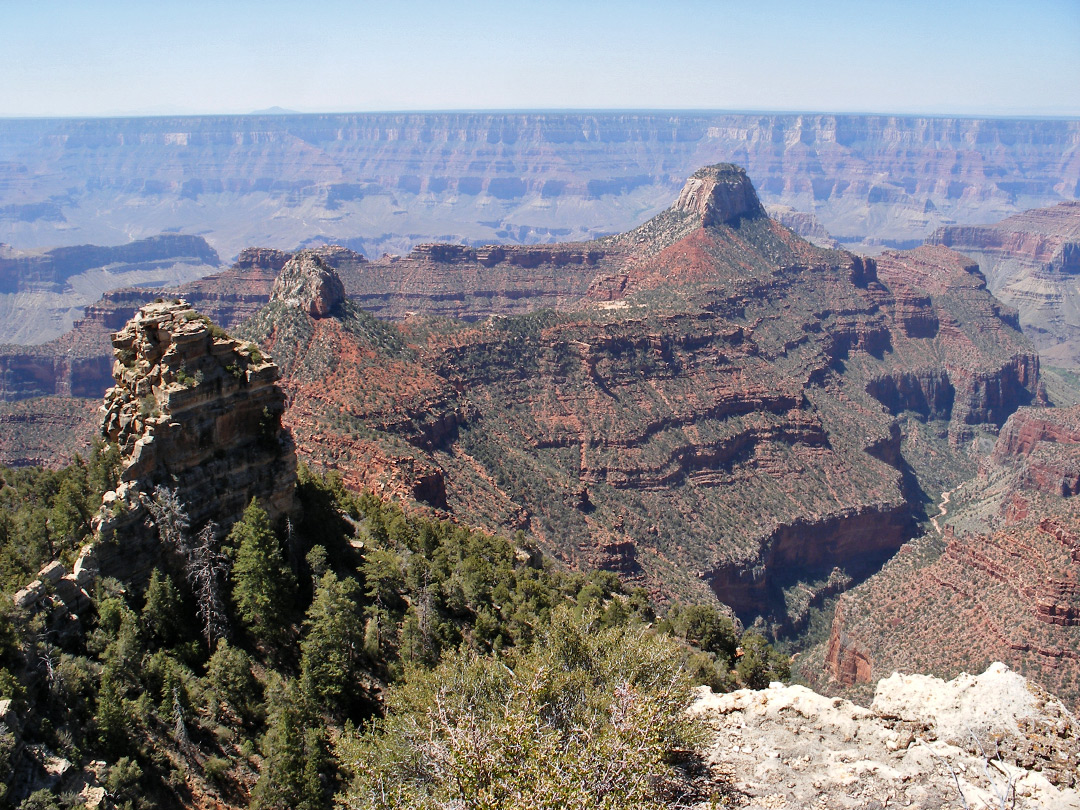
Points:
x=588, y=718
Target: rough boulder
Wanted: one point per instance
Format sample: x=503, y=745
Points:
x=991, y=740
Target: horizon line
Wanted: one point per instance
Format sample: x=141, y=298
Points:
x=285, y=113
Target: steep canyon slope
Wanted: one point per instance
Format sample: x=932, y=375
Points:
x=385, y=182
x=1032, y=262
x=721, y=407
x=998, y=582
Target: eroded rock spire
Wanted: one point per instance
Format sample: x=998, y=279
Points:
x=720, y=194
x=308, y=283
x=197, y=412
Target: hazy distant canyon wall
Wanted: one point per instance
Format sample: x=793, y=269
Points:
x=385, y=182
x=1032, y=262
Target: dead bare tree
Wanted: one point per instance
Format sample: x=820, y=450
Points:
x=207, y=570
x=205, y=566
x=168, y=516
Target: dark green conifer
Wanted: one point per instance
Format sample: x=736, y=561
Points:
x=262, y=584
x=333, y=641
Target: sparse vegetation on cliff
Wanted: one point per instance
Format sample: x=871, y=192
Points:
x=383, y=598
x=46, y=514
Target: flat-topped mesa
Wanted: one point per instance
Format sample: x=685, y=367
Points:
x=720, y=194
x=263, y=258
x=308, y=283
x=195, y=411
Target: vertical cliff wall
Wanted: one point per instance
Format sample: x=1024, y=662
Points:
x=195, y=411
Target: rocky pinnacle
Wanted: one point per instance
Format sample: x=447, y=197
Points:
x=720, y=194
x=306, y=282
x=197, y=412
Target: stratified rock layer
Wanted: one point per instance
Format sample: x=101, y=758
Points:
x=386, y=182
x=43, y=291
x=711, y=411
x=941, y=295
x=78, y=364
x=1032, y=263
x=1046, y=444
x=52, y=269
x=719, y=195
x=194, y=411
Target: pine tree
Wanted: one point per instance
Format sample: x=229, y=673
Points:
x=69, y=517
x=261, y=582
x=334, y=640
x=161, y=610
x=232, y=684
x=294, y=754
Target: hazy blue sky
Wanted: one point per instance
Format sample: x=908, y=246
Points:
x=88, y=57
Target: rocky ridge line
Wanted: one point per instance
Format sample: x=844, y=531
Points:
x=402, y=179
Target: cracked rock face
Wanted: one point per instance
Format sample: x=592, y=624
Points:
x=309, y=284
x=719, y=194
x=923, y=742
x=196, y=411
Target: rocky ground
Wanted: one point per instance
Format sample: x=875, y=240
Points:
x=986, y=741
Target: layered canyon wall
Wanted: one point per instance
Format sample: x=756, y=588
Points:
x=707, y=415
x=386, y=182
x=1032, y=262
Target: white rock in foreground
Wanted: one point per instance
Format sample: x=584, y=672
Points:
x=923, y=743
